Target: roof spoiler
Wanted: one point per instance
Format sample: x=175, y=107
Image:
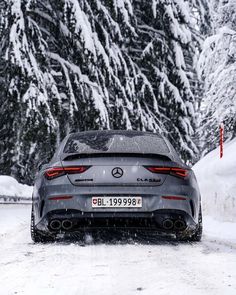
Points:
x=71, y=157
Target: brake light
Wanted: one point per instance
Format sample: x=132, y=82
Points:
x=175, y=171
x=55, y=172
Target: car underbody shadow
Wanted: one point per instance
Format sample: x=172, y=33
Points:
x=115, y=237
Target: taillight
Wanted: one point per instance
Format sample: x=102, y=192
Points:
x=180, y=172
x=55, y=172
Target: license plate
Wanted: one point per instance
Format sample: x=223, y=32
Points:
x=116, y=202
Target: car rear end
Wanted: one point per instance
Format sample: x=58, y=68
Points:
x=116, y=181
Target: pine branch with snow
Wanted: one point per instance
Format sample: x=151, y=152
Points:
x=74, y=65
x=217, y=68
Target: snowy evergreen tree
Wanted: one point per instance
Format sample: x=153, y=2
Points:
x=217, y=67
x=74, y=65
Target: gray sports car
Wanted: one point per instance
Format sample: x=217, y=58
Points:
x=119, y=180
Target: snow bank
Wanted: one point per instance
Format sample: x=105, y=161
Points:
x=10, y=187
x=217, y=181
x=221, y=231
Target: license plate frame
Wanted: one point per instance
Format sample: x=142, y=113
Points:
x=117, y=202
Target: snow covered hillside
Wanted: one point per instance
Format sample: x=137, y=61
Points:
x=217, y=181
x=9, y=187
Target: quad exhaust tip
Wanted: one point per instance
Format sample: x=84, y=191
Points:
x=168, y=224
x=179, y=224
x=55, y=224
x=67, y=224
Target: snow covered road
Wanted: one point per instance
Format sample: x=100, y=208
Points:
x=208, y=267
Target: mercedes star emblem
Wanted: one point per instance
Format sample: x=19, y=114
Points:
x=117, y=172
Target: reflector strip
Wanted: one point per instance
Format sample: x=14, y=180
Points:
x=56, y=198
x=174, y=198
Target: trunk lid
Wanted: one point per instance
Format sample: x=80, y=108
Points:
x=114, y=170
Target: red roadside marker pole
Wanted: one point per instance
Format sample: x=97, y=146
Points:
x=221, y=140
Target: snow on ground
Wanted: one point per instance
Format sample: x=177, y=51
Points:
x=10, y=187
x=217, y=182
x=163, y=268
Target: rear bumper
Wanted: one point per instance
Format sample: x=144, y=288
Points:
x=150, y=204
x=135, y=221
x=150, y=217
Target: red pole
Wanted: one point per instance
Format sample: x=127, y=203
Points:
x=221, y=139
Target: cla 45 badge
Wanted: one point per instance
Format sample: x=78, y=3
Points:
x=148, y=180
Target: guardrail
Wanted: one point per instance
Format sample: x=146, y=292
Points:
x=4, y=199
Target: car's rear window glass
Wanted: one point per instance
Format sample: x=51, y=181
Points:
x=115, y=142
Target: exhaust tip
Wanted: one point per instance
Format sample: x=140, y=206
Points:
x=55, y=224
x=67, y=224
x=179, y=224
x=167, y=224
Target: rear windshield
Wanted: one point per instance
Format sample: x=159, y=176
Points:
x=115, y=142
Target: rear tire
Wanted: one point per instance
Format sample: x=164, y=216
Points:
x=36, y=236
